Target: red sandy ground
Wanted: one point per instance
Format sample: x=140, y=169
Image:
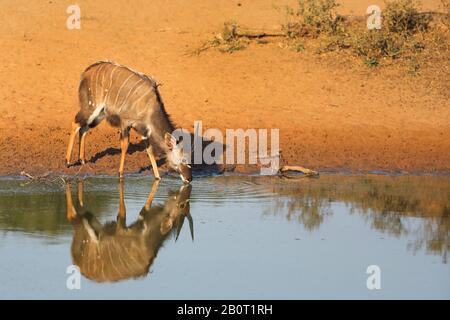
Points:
x=331, y=114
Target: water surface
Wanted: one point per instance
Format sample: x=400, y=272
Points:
x=227, y=237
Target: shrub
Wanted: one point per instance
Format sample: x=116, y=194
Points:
x=403, y=16
x=312, y=18
x=227, y=40
x=401, y=20
x=376, y=44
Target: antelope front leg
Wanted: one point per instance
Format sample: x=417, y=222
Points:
x=83, y=132
x=124, y=142
x=151, y=155
x=75, y=129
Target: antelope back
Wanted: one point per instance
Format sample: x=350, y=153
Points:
x=126, y=98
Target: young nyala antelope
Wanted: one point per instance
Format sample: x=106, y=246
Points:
x=127, y=99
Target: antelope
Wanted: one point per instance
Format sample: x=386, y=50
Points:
x=112, y=251
x=127, y=99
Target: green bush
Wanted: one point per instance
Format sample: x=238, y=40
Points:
x=376, y=44
x=315, y=24
x=312, y=18
x=401, y=20
x=403, y=16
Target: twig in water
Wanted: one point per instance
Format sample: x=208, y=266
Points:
x=44, y=178
x=306, y=171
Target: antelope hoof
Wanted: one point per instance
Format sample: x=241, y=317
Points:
x=82, y=162
x=67, y=164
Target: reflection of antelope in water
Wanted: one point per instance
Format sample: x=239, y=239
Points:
x=127, y=99
x=114, y=252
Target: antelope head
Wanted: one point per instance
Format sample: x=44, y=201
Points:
x=178, y=158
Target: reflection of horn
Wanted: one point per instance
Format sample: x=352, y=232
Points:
x=191, y=225
x=179, y=226
x=181, y=222
x=184, y=210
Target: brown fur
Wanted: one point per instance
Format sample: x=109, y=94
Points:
x=127, y=99
x=114, y=120
x=120, y=252
x=130, y=98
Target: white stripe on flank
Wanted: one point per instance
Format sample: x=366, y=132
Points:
x=120, y=89
x=96, y=84
x=126, y=98
x=102, y=93
x=139, y=99
x=110, y=85
x=137, y=89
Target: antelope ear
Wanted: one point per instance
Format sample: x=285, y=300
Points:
x=170, y=140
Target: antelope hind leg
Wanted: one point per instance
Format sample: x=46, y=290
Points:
x=124, y=142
